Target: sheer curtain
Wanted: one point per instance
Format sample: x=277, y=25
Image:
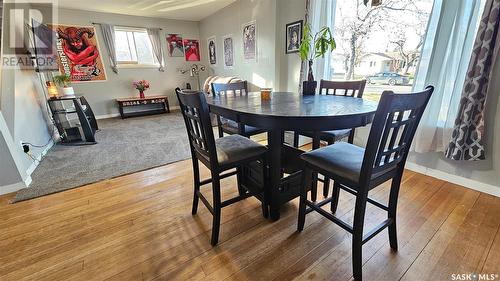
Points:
x=443, y=64
x=108, y=33
x=319, y=13
x=154, y=36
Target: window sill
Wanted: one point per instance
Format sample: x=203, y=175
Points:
x=137, y=66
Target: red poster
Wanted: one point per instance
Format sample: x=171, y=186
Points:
x=78, y=53
x=192, y=50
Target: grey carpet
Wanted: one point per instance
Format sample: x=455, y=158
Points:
x=124, y=146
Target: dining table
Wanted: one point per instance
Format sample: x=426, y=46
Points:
x=288, y=111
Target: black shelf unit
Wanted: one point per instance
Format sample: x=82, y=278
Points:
x=82, y=133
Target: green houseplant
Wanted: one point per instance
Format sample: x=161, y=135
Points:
x=312, y=47
x=64, y=81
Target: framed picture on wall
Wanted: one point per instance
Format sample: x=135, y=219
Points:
x=83, y=63
x=212, y=50
x=249, y=36
x=192, y=49
x=228, y=46
x=293, y=37
x=175, y=45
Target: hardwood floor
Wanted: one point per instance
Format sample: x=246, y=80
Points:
x=140, y=227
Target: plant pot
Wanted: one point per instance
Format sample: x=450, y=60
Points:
x=68, y=91
x=309, y=88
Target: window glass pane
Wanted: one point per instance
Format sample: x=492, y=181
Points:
x=133, y=46
x=131, y=42
x=379, y=43
x=122, y=46
x=144, y=48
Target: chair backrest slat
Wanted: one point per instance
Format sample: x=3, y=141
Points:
x=195, y=111
x=240, y=88
x=350, y=88
x=392, y=130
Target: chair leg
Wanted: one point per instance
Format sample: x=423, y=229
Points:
x=326, y=181
x=326, y=187
x=266, y=191
x=335, y=197
x=357, y=259
x=295, y=139
x=241, y=189
x=265, y=209
x=219, y=127
x=302, y=203
x=357, y=237
x=314, y=187
x=196, y=172
x=217, y=208
x=221, y=132
x=393, y=201
x=350, y=139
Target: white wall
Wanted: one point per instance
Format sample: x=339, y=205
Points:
x=102, y=95
x=288, y=64
x=229, y=21
x=22, y=117
x=8, y=170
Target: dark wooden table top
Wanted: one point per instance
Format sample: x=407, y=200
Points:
x=291, y=111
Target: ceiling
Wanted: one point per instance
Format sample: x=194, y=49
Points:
x=193, y=10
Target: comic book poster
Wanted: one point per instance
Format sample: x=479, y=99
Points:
x=249, y=35
x=175, y=46
x=78, y=53
x=228, y=51
x=192, y=50
x=212, y=50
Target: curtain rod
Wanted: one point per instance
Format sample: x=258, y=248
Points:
x=129, y=26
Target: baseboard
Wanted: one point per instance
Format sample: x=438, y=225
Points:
x=36, y=162
x=113, y=115
x=106, y=116
x=11, y=188
x=458, y=180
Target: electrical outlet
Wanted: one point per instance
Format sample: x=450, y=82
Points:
x=26, y=147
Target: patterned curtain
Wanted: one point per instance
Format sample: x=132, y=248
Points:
x=467, y=141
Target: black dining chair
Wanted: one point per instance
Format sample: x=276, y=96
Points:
x=357, y=170
x=219, y=156
x=339, y=88
x=228, y=126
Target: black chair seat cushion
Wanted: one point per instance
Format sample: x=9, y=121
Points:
x=333, y=135
x=235, y=148
x=231, y=127
x=341, y=159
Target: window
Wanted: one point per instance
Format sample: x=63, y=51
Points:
x=133, y=47
x=382, y=35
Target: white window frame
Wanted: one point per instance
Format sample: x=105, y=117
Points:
x=135, y=64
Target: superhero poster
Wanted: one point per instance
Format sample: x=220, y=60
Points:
x=175, y=46
x=78, y=53
x=192, y=50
